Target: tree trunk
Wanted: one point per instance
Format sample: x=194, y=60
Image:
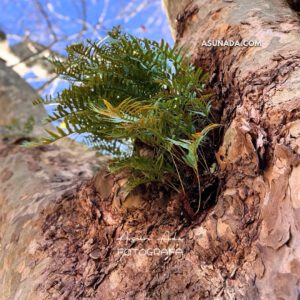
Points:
x=63, y=233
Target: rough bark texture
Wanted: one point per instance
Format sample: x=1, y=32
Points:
x=246, y=247
x=258, y=211
x=30, y=181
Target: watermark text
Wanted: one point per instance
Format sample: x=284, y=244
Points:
x=231, y=43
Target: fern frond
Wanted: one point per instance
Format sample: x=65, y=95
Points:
x=123, y=89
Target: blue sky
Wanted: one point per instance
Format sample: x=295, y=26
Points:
x=139, y=17
x=57, y=23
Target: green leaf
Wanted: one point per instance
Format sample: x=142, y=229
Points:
x=123, y=90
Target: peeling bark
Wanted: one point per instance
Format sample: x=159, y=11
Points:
x=61, y=228
x=259, y=91
x=31, y=181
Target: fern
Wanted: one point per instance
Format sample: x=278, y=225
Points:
x=129, y=90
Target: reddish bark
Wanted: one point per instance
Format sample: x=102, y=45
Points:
x=247, y=246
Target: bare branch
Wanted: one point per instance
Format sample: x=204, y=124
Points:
x=102, y=16
x=47, y=83
x=35, y=54
x=83, y=21
x=47, y=19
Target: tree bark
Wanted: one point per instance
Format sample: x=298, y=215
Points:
x=31, y=180
x=62, y=231
x=259, y=91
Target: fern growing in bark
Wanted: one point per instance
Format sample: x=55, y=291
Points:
x=129, y=90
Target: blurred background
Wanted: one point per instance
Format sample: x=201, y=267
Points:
x=31, y=30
